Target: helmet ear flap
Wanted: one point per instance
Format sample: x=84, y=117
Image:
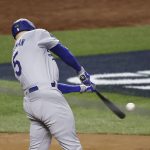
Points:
x=22, y=25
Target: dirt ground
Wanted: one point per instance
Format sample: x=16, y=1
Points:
x=74, y=14
x=71, y=14
x=89, y=142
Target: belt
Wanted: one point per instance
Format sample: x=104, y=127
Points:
x=35, y=88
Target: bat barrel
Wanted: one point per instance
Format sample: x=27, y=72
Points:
x=111, y=105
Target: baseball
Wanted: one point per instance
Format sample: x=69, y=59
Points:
x=130, y=106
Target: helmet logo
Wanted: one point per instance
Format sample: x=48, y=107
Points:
x=17, y=27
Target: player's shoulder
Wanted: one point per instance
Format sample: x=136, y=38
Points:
x=41, y=31
x=44, y=33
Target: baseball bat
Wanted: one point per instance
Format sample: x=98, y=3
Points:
x=110, y=105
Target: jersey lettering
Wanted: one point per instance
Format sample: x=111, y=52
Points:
x=17, y=65
x=20, y=43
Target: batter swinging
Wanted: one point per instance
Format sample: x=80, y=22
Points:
x=37, y=71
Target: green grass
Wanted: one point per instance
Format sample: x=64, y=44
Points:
x=91, y=115
x=91, y=42
x=6, y=46
x=107, y=40
x=12, y=117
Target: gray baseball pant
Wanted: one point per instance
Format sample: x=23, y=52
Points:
x=50, y=115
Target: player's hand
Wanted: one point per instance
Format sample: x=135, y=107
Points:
x=84, y=77
x=84, y=88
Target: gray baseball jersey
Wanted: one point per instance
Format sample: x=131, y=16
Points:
x=46, y=107
x=32, y=62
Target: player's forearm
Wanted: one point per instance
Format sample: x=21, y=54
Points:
x=66, y=56
x=65, y=88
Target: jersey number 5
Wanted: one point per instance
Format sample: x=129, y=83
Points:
x=16, y=63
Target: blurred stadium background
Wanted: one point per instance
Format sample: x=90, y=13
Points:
x=97, y=30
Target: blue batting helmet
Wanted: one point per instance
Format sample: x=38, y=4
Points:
x=22, y=25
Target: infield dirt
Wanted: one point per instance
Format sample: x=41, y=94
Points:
x=88, y=141
x=70, y=14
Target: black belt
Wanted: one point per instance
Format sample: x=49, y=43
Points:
x=35, y=88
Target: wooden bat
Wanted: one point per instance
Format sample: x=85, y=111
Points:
x=110, y=105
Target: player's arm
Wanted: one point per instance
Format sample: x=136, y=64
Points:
x=51, y=43
x=69, y=59
x=66, y=56
x=66, y=88
x=48, y=41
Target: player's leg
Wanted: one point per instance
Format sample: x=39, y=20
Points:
x=64, y=131
x=40, y=137
x=53, y=110
x=61, y=124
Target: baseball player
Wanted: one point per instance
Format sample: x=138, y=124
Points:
x=35, y=68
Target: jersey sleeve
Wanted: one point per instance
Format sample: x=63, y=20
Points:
x=47, y=40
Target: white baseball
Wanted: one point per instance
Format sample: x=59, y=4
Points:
x=130, y=106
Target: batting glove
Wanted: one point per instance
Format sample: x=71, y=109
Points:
x=84, y=77
x=84, y=88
